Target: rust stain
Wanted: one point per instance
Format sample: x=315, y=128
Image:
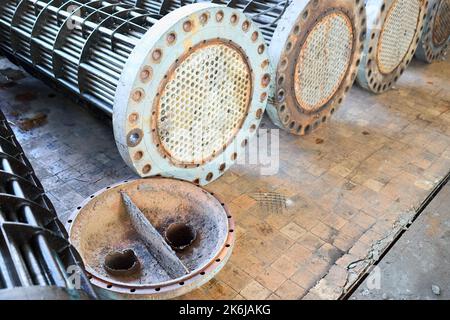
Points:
x=33, y=121
x=26, y=96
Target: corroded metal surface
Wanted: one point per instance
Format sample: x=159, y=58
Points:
x=34, y=251
x=121, y=59
x=315, y=48
x=436, y=36
x=101, y=225
x=394, y=30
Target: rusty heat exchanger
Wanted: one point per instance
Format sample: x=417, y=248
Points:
x=394, y=28
x=36, y=260
x=315, y=49
x=186, y=91
x=436, y=36
x=154, y=238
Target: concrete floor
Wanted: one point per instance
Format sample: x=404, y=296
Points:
x=349, y=187
x=417, y=266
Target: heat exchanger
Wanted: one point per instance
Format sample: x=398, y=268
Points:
x=394, y=28
x=315, y=48
x=436, y=36
x=186, y=91
x=36, y=260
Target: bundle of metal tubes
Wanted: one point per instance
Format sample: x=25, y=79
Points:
x=88, y=60
x=265, y=13
x=36, y=260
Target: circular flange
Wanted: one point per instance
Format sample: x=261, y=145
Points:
x=436, y=37
x=193, y=90
x=316, y=61
x=100, y=226
x=394, y=30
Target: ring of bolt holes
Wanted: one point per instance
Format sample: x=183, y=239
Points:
x=298, y=127
x=428, y=44
x=181, y=283
x=371, y=66
x=147, y=73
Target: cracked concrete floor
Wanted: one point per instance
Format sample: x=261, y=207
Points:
x=417, y=266
x=349, y=187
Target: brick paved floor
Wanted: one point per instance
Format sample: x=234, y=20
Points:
x=349, y=187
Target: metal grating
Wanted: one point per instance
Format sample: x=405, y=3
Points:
x=270, y=202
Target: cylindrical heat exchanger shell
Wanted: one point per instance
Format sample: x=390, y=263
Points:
x=394, y=28
x=186, y=91
x=315, y=48
x=435, y=39
x=36, y=260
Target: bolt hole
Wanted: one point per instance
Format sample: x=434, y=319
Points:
x=171, y=37
x=187, y=26
x=147, y=168
x=219, y=16
x=261, y=49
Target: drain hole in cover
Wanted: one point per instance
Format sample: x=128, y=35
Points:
x=180, y=235
x=122, y=263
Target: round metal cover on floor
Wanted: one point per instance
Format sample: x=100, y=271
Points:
x=394, y=30
x=436, y=36
x=316, y=49
x=191, y=219
x=193, y=94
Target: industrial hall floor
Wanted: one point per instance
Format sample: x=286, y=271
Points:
x=341, y=196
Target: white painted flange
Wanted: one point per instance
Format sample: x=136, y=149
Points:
x=170, y=45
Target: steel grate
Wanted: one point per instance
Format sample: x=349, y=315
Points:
x=270, y=202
